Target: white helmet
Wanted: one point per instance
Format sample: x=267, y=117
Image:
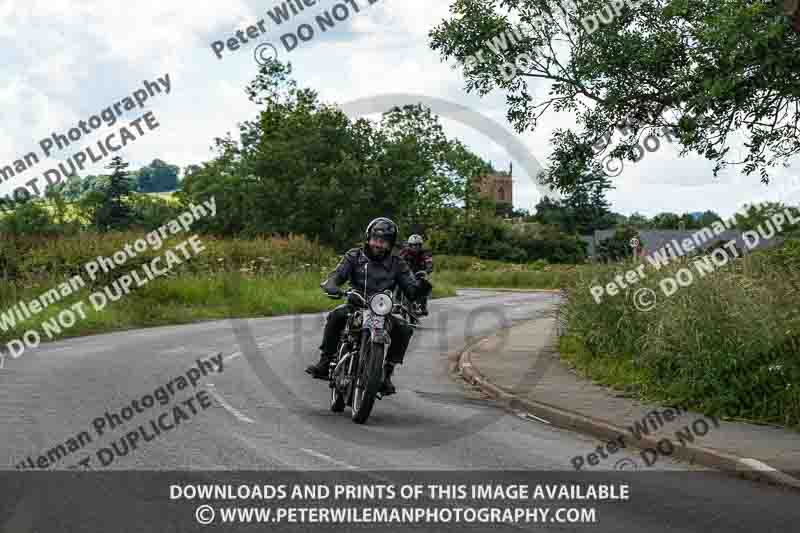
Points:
x=415, y=239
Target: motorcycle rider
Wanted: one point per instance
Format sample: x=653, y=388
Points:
x=421, y=263
x=384, y=271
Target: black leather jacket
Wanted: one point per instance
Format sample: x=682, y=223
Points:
x=381, y=275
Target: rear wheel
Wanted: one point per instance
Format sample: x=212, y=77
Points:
x=369, y=379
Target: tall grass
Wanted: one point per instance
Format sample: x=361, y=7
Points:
x=728, y=344
x=230, y=278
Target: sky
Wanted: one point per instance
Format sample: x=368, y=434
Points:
x=68, y=60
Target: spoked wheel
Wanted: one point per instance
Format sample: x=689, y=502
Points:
x=337, y=396
x=368, y=380
x=337, y=400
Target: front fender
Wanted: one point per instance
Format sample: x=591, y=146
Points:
x=378, y=328
x=380, y=336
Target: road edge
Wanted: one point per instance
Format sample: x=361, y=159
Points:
x=564, y=418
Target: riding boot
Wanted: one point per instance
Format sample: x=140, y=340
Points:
x=423, y=308
x=321, y=370
x=387, y=387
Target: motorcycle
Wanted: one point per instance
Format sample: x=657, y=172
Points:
x=411, y=311
x=357, y=369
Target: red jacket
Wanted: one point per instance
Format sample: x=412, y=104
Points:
x=792, y=10
x=417, y=260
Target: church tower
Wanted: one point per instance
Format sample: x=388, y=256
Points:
x=497, y=186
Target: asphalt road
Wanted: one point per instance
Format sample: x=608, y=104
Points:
x=270, y=415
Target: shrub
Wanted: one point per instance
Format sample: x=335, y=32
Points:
x=489, y=238
x=727, y=344
x=31, y=218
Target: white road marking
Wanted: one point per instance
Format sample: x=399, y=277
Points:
x=234, y=355
x=528, y=415
x=749, y=463
x=328, y=458
x=231, y=409
x=51, y=350
x=757, y=465
x=179, y=349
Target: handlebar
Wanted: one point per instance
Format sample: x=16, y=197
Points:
x=353, y=292
x=346, y=294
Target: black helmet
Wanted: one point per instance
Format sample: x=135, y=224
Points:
x=383, y=228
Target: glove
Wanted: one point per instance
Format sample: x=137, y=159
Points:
x=329, y=288
x=422, y=275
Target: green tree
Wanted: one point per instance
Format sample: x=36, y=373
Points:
x=158, y=176
x=551, y=212
x=700, y=71
x=707, y=219
x=638, y=220
x=29, y=218
x=758, y=216
x=73, y=188
x=108, y=204
x=618, y=246
x=666, y=221
x=584, y=208
x=302, y=166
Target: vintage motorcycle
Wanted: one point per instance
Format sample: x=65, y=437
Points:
x=357, y=369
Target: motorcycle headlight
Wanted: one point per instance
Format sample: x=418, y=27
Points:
x=381, y=304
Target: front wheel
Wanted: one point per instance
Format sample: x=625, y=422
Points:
x=369, y=380
x=337, y=396
x=337, y=400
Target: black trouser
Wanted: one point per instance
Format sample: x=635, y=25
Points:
x=427, y=288
x=400, y=335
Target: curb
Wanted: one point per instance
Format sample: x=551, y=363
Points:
x=564, y=418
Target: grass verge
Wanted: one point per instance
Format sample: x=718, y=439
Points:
x=728, y=344
x=186, y=299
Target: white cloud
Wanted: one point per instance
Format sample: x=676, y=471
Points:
x=70, y=60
